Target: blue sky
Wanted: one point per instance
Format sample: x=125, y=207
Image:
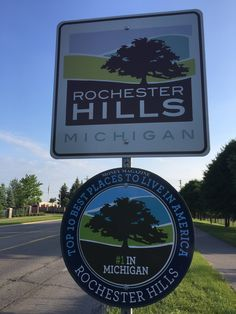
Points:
x=27, y=45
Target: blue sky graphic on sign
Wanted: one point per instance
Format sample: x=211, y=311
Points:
x=118, y=38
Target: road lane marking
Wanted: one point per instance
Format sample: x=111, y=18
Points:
x=40, y=222
x=13, y=233
x=29, y=242
x=9, y=234
x=7, y=237
x=29, y=223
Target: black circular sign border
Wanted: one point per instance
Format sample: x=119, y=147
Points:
x=161, y=284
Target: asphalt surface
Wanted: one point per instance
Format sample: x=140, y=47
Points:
x=219, y=254
x=33, y=277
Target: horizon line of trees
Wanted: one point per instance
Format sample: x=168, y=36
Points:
x=22, y=193
x=214, y=196
x=66, y=194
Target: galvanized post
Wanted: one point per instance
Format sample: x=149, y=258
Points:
x=126, y=162
x=126, y=311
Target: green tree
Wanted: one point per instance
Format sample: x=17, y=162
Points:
x=64, y=196
x=17, y=192
x=52, y=200
x=31, y=192
x=230, y=151
x=10, y=198
x=219, y=183
x=3, y=195
x=127, y=219
x=75, y=186
x=192, y=194
x=146, y=57
x=3, y=198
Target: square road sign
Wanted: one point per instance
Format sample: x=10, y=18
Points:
x=130, y=86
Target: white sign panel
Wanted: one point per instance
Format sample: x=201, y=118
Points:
x=130, y=86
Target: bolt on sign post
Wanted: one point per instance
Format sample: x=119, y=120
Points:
x=130, y=86
x=127, y=237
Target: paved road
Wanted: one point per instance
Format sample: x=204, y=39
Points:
x=221, y=255
x=33, y=278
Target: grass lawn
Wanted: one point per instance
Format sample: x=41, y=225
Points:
x=21, y=220
x=218, y=231
x=201, y=291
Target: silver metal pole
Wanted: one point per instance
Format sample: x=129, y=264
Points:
x=126, y=162
x=126, y=311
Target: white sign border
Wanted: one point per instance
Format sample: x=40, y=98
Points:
x=168, y=153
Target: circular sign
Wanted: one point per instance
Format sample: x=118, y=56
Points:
x=127, y=237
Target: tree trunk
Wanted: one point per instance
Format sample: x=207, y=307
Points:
x=144, y=81
x=125, y=244
x=227, y=222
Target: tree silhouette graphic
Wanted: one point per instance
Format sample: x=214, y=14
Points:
x=127, y=219
x=146, y=57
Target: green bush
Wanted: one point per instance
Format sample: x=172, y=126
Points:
x=20, y=212
x=1, y=211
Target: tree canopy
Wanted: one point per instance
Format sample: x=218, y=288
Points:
x=21, y=193
x=214, y=196
x=30, y=190
x=16, y=190
x=146, y=57
x=75, y=186
x=26, y=191
x=127, y=219
x=219, y=186
x=3, y=199
x=192, y=194
x=64, y=196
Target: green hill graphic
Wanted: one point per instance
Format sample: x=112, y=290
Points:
x=88, y=235
x=84, y=67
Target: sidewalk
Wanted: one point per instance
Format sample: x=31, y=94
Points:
x=221, y=255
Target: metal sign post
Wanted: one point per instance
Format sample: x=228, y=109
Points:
x=126, y=163
x=127, y=311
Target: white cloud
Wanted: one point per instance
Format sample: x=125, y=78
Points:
x=24, y=142
x=33, y=158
